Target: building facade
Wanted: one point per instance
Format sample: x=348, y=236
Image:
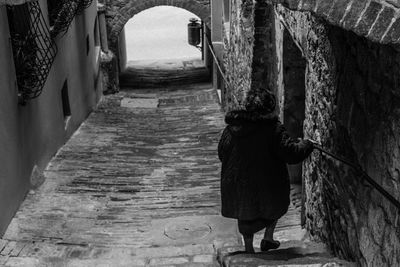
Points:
x=50, y=82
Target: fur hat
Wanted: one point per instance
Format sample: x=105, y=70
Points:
x=262, y=101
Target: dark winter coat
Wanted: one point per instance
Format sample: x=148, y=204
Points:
x=254, y=149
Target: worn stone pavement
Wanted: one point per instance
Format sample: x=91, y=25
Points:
x=138, y=185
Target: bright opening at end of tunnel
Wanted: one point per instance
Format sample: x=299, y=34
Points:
x=160, y=33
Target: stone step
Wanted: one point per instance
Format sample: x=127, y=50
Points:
x=178, y=72
x=47, y=254
x=291, y=253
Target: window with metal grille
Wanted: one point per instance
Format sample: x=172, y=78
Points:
x=33, y=49
x=52, y=8
x=87, y=44
x=61, y=15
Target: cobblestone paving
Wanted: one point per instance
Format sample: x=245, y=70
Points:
x=136, y=185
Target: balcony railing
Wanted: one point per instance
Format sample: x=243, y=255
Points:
x=33, y=49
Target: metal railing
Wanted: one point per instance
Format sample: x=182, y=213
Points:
x=317, y=146
x=225, y=84
x=362, y=174
x=216, y=60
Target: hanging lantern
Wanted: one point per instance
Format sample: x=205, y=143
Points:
x=194, y=32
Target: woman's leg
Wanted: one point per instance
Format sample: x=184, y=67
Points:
x=248, y=229
x=248, y=243
x=269, y=230
x=268, y=241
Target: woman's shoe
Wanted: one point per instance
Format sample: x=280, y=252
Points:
x=269, y=244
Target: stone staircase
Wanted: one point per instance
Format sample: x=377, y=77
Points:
x=161, y=73
x=291, y=253
x=296, y=248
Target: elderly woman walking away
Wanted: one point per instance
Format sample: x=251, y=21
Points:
x=254, y=149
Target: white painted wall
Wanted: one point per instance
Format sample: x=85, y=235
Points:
x=31, y=135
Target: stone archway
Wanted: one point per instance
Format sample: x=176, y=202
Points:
x=377, y=20
x=119, y=12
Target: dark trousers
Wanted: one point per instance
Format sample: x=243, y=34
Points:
x=247, y=228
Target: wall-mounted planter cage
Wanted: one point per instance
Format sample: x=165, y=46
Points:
x=61, y=15
x=83, y=4
x=33, y=49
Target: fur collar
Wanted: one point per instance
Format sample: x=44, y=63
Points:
x=239, y=117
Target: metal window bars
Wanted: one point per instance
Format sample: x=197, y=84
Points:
x=61, y=15
x=63, y=12
x=33, y=49
x=83, y=4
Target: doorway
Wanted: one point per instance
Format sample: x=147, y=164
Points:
x=294, y=66
x=293, y=111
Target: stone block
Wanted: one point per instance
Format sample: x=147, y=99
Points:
x=78, y=253
x=18, y=248
x=3, y=243
x=395, y=3
x=18, y=262
x=308, y=5
x=203, y=258
x=175, y=251
x=324, y=7
x=368, y=18
x=393, y=34
x=168, y=261
x=3, y=260
x=382, y=23
x=338, y=11
x=8, y=248
x=292, y=4
x=354, y=14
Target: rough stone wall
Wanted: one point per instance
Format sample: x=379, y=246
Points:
x=247, y=50
x=238, y=53
x=248, y=58
x=368, y=125
x=352, y=108
x=378, y=20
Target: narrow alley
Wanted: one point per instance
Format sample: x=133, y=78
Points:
x=138, y=185
x=131, y=131
x=129, y=173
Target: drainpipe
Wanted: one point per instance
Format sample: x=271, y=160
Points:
x=206, y=50
x=101, y=11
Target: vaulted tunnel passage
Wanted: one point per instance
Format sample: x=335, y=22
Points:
x=160, y=33
x=120, y=12
x=154, y=49
x=123, y=11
